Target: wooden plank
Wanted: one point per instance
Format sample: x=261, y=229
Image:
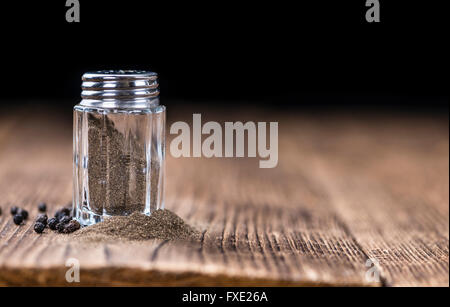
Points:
x=259, y=228
x=389, y=183
x=313, y=220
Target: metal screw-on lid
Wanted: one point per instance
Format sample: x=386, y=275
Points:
x=119, y=84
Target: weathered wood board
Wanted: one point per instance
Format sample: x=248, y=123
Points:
x=346, y=189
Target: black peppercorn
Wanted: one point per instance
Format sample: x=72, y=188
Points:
x=14, y=210
x=24, y=213
x=18, y=219
x=42, y=207
x=72, y=226
x=52, y=223
x=42, y=218
x=62, y=213
x=39, y=227
x=65, y=219
x=60, y=227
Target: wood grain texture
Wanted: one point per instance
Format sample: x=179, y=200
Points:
x=345, y=190
x=395, y=198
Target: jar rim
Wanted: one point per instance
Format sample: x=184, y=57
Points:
x=119, y=75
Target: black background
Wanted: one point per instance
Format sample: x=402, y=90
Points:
x=276, y=295
x=319, y=54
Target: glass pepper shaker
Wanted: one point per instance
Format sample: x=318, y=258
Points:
x=118, y=146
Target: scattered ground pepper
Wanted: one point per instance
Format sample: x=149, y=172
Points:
x=161, y=224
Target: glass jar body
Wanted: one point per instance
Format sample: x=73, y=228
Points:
x=118, y=161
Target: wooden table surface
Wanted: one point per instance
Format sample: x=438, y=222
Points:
x=351, y=195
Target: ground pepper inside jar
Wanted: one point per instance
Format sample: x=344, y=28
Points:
x=117, y=166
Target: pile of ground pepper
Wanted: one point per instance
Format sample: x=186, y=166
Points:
x=161, y=224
